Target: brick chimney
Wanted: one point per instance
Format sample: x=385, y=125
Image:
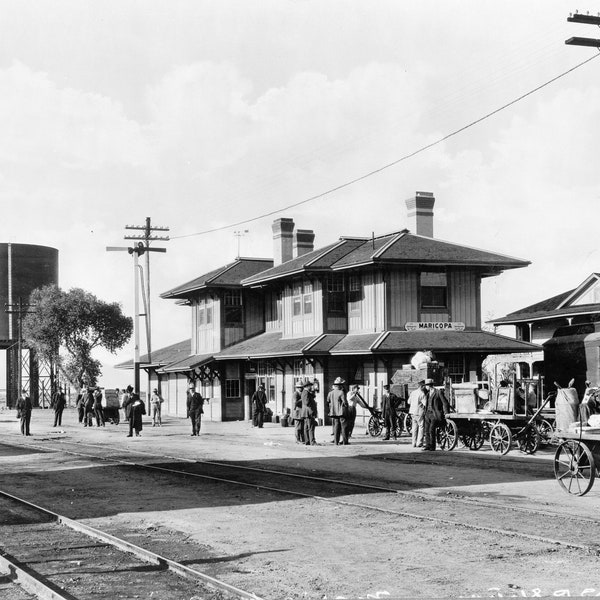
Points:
x=304, y=241
x=420, y=213
x=283, y=233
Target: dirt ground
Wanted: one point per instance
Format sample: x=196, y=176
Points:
x=459, y=531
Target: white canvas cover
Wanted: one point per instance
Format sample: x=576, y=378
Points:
x=567, y=408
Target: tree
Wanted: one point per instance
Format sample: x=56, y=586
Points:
x=65, y=327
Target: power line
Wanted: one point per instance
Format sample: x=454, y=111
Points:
x=395, y=162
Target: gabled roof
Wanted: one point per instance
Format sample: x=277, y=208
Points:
x=229, y=275
x=556, y=306
x=399, y=248
x=162, y=356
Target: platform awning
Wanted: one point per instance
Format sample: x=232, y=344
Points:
x=187, y=364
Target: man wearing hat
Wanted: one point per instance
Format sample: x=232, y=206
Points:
x=155, y=402
x=296, y=411
x=195, y=410
x=417, y=401
x=388, y=412
x=259, y=402
x=338, y=410
x=435, y=413
x=308, y=413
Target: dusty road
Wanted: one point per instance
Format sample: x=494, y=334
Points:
x=459, y=524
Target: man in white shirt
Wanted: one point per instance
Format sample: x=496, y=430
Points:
x=417, y=401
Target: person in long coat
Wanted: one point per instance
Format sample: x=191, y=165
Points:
x=60, y=402
x=195, y=410
x=388, y=412
x=435, y=413
x=88, y=418
x=138, y=409
x=338, y=410
x=259, y=402
x=126, y=406
x=24, y=408
x=308, y=413
x=296, y=412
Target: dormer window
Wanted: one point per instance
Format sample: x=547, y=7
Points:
x=336, y=294
x=434, y=291
x=354, y=293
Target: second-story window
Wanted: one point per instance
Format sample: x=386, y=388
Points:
x=354, y=293
x=336, y=294
x=297, y=299
x=307, y=298
x=434, y=290
x=232, y=307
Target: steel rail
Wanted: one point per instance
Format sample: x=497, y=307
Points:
x=141, y=553
x=406, y=493
x=405, y=514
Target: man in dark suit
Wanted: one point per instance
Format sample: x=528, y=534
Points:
x=195, y=410
x=259, y=402
x=436, y=410
x=388, y=412
x=308, y=413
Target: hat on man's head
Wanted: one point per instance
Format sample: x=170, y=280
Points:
x=422, y=382
x=129, y=388
x=261, y=387
x=307, y=383
x=339, y=381
x=299, y=384
x=429, y=382
x=386, y=386
x=192, y=385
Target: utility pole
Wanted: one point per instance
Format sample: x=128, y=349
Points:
x=581, y=41
x=136, y=251
x=147, y=237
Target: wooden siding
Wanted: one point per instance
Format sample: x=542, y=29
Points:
x=209, y=335
x=232, y=335
x=254, y=314
x=437, y=317
x=370, y=316
x=463, y=294
x=304, y=324
x=402, y=297
x=337, y=324
x=272, y=320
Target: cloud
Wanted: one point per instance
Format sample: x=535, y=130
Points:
x=44, y=126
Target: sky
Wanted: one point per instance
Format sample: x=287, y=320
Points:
x=201, y=114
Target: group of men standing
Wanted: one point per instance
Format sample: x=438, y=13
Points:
x=428, y=407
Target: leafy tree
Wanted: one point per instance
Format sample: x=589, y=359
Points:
x=65, y=327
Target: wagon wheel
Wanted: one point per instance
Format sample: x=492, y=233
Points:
x=408, y=423
x=447, y=435
x=545, y=431
x=500, y=438
x=528, y=440
x=375, y=426
x=473, y=437
x=574, y=467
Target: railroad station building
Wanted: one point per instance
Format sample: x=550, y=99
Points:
x=358, y=308
x=568, y=327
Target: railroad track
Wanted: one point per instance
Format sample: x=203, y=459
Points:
x=49, y=556
x=581, y=533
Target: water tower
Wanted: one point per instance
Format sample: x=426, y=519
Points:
x=23, y=268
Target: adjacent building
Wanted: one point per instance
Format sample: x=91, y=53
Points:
x=568, y=327
x=358, y=308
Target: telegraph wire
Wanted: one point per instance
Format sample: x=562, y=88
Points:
x=395, y=162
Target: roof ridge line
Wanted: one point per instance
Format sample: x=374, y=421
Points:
x=312, y=343
x=224, y=269
x=394, y=239
x=379, y=340
x=340, y=242
x=577, y=289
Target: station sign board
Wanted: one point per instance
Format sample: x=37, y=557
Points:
x=434, y=326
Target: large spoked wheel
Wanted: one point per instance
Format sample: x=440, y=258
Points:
x=473, y=436
x=500, y=438
x=529, y=440
x=447, y=435
x=574, y=467
x=408, y=423
x=375, y=426
x=545, y=432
